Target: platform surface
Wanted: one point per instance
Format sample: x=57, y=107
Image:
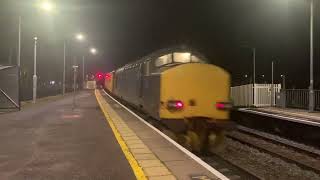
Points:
x=100, y=139
x=50, y=141
x=153, y=151
x=297, y=115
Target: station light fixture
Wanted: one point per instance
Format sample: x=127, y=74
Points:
x=46, y=5
x=93, y=50
x=80, y=37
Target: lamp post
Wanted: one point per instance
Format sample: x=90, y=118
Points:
x=79, y=37
x=74, y=85
x=311, y=90
x=283, y=81
x=253, y=50
x=92, y=51
x=19, y=43
x=64, y=69
x=46, y=6
x=35, y=71
x=83, y=84
x=272, y=86
x=254, y=65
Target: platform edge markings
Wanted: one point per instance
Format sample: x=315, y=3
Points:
x=138, y=172
x=152, y=168
x=181, y=148
x=292, y=119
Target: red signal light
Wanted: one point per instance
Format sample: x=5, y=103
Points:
x=99, y=76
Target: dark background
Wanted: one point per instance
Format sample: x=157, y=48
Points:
x=124, y=31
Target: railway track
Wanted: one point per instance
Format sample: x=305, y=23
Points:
x=229, y=169
x=307, y=159
x=281, y=141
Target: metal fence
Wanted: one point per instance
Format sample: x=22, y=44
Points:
x=9, y=88
x=263, y=95
x=259, y=95
x=317, y=100
x=242, y=95
x=299, y=98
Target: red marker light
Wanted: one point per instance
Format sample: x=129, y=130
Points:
x=179, y=105
x=175, y=105
x=223, y=106
x=99, y=76
x=108, y=76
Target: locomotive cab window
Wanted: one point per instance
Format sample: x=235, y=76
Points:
x=196, y=59
x=163, y=60
x=180, y=57
x=177, y=58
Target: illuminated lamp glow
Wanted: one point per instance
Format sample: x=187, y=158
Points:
x=47, y=6
x=99, y=76
x=175, y=105
x=220, y=105
x=179, y=105
x=223, y=105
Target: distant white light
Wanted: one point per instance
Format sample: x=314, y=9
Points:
x=246, y=75
x=52, y=82
x=35, y=38
x=93, y=50
x=262, y=75
x=80, y=37
x=46, y=5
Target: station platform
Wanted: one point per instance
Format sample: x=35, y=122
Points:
x=99, y=139
x=289, y=114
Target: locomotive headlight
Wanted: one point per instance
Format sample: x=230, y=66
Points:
x=175, y=105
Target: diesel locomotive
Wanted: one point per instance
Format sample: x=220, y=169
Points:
x=179, y=88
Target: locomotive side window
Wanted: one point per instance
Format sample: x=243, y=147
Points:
x=163, y=60
x=182, y=57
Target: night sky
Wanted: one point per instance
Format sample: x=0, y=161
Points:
x=124, y=31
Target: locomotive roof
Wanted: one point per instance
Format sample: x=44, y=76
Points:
x=162, y=52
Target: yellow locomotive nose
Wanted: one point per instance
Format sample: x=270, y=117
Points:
x=194, y=90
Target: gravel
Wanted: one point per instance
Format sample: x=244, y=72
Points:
x=262, y=164
x=289, y=153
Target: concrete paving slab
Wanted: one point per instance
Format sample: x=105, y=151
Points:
x=150, y=163
x=145, y=157
x=168, y=177
x=156, y=171
x=169, y=154
x=141, y=151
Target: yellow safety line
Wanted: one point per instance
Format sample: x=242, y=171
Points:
x=138, y=172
